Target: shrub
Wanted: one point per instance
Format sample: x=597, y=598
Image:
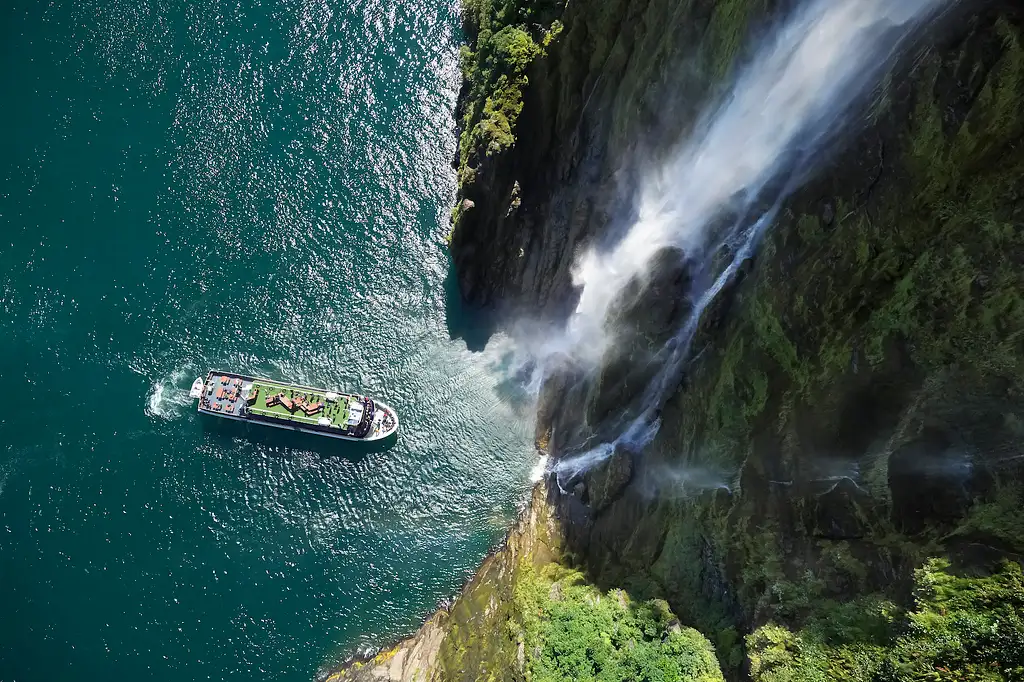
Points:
x=515, y=49
x=960, y=629
x=572, y=631
x=494, y=68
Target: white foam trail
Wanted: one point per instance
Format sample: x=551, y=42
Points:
x=5, y=473
x=168, y=398
x=790, y=100
x=792, y=95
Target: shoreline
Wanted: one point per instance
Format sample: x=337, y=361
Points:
x=416, y=658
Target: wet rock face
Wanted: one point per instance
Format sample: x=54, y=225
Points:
x=838, y=512
x=644, y=318
x=651, y=307
x=929, y=480
x=860, y=384
x=609, y=479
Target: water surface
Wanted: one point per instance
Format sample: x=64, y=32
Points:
x=258, y=186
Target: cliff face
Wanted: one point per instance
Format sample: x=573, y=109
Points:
x=617, y=81
x=838, y=473
x=856, y=396
x=854, y=404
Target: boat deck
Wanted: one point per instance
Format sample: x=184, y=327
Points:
x=261, y=400
x=335, y=410
x=238, y=396
x=224, y=395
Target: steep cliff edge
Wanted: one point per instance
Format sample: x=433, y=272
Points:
x=439, y=650
x=525, y=615
x=854, y=405
x=837, y=487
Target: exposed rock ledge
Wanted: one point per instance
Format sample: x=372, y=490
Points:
x=412, y=659
x=461, y=637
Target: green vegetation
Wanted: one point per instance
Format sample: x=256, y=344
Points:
x=726, y=33
x=1000, y=520
x=959, y=629
x=882, y=316
x=571, y=631
x=506, y=36
x=507, y=40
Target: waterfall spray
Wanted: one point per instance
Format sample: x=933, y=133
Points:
x=782, y=110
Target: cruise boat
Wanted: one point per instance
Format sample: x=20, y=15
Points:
x=291, y=406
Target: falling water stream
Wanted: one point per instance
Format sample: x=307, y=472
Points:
x=264, y=186
x=797, y=92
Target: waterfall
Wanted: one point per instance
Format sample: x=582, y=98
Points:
x=750, y=150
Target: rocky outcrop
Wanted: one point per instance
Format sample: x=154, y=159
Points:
x=411, y=660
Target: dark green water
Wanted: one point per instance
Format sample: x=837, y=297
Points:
x=260, y=186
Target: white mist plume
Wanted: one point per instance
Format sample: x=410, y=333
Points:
x=682, y=481
x=784, y=106
x=800, y=84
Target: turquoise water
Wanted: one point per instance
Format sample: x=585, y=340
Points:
x=259, y=186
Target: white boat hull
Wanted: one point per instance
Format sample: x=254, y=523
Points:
x=297, y=427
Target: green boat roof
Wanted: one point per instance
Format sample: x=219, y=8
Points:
x=222, y=388
x=337, y=410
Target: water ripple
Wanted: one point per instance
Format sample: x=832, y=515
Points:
x=257, y=186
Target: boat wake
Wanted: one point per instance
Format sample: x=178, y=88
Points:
x=168, y=397
x=5, y=473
